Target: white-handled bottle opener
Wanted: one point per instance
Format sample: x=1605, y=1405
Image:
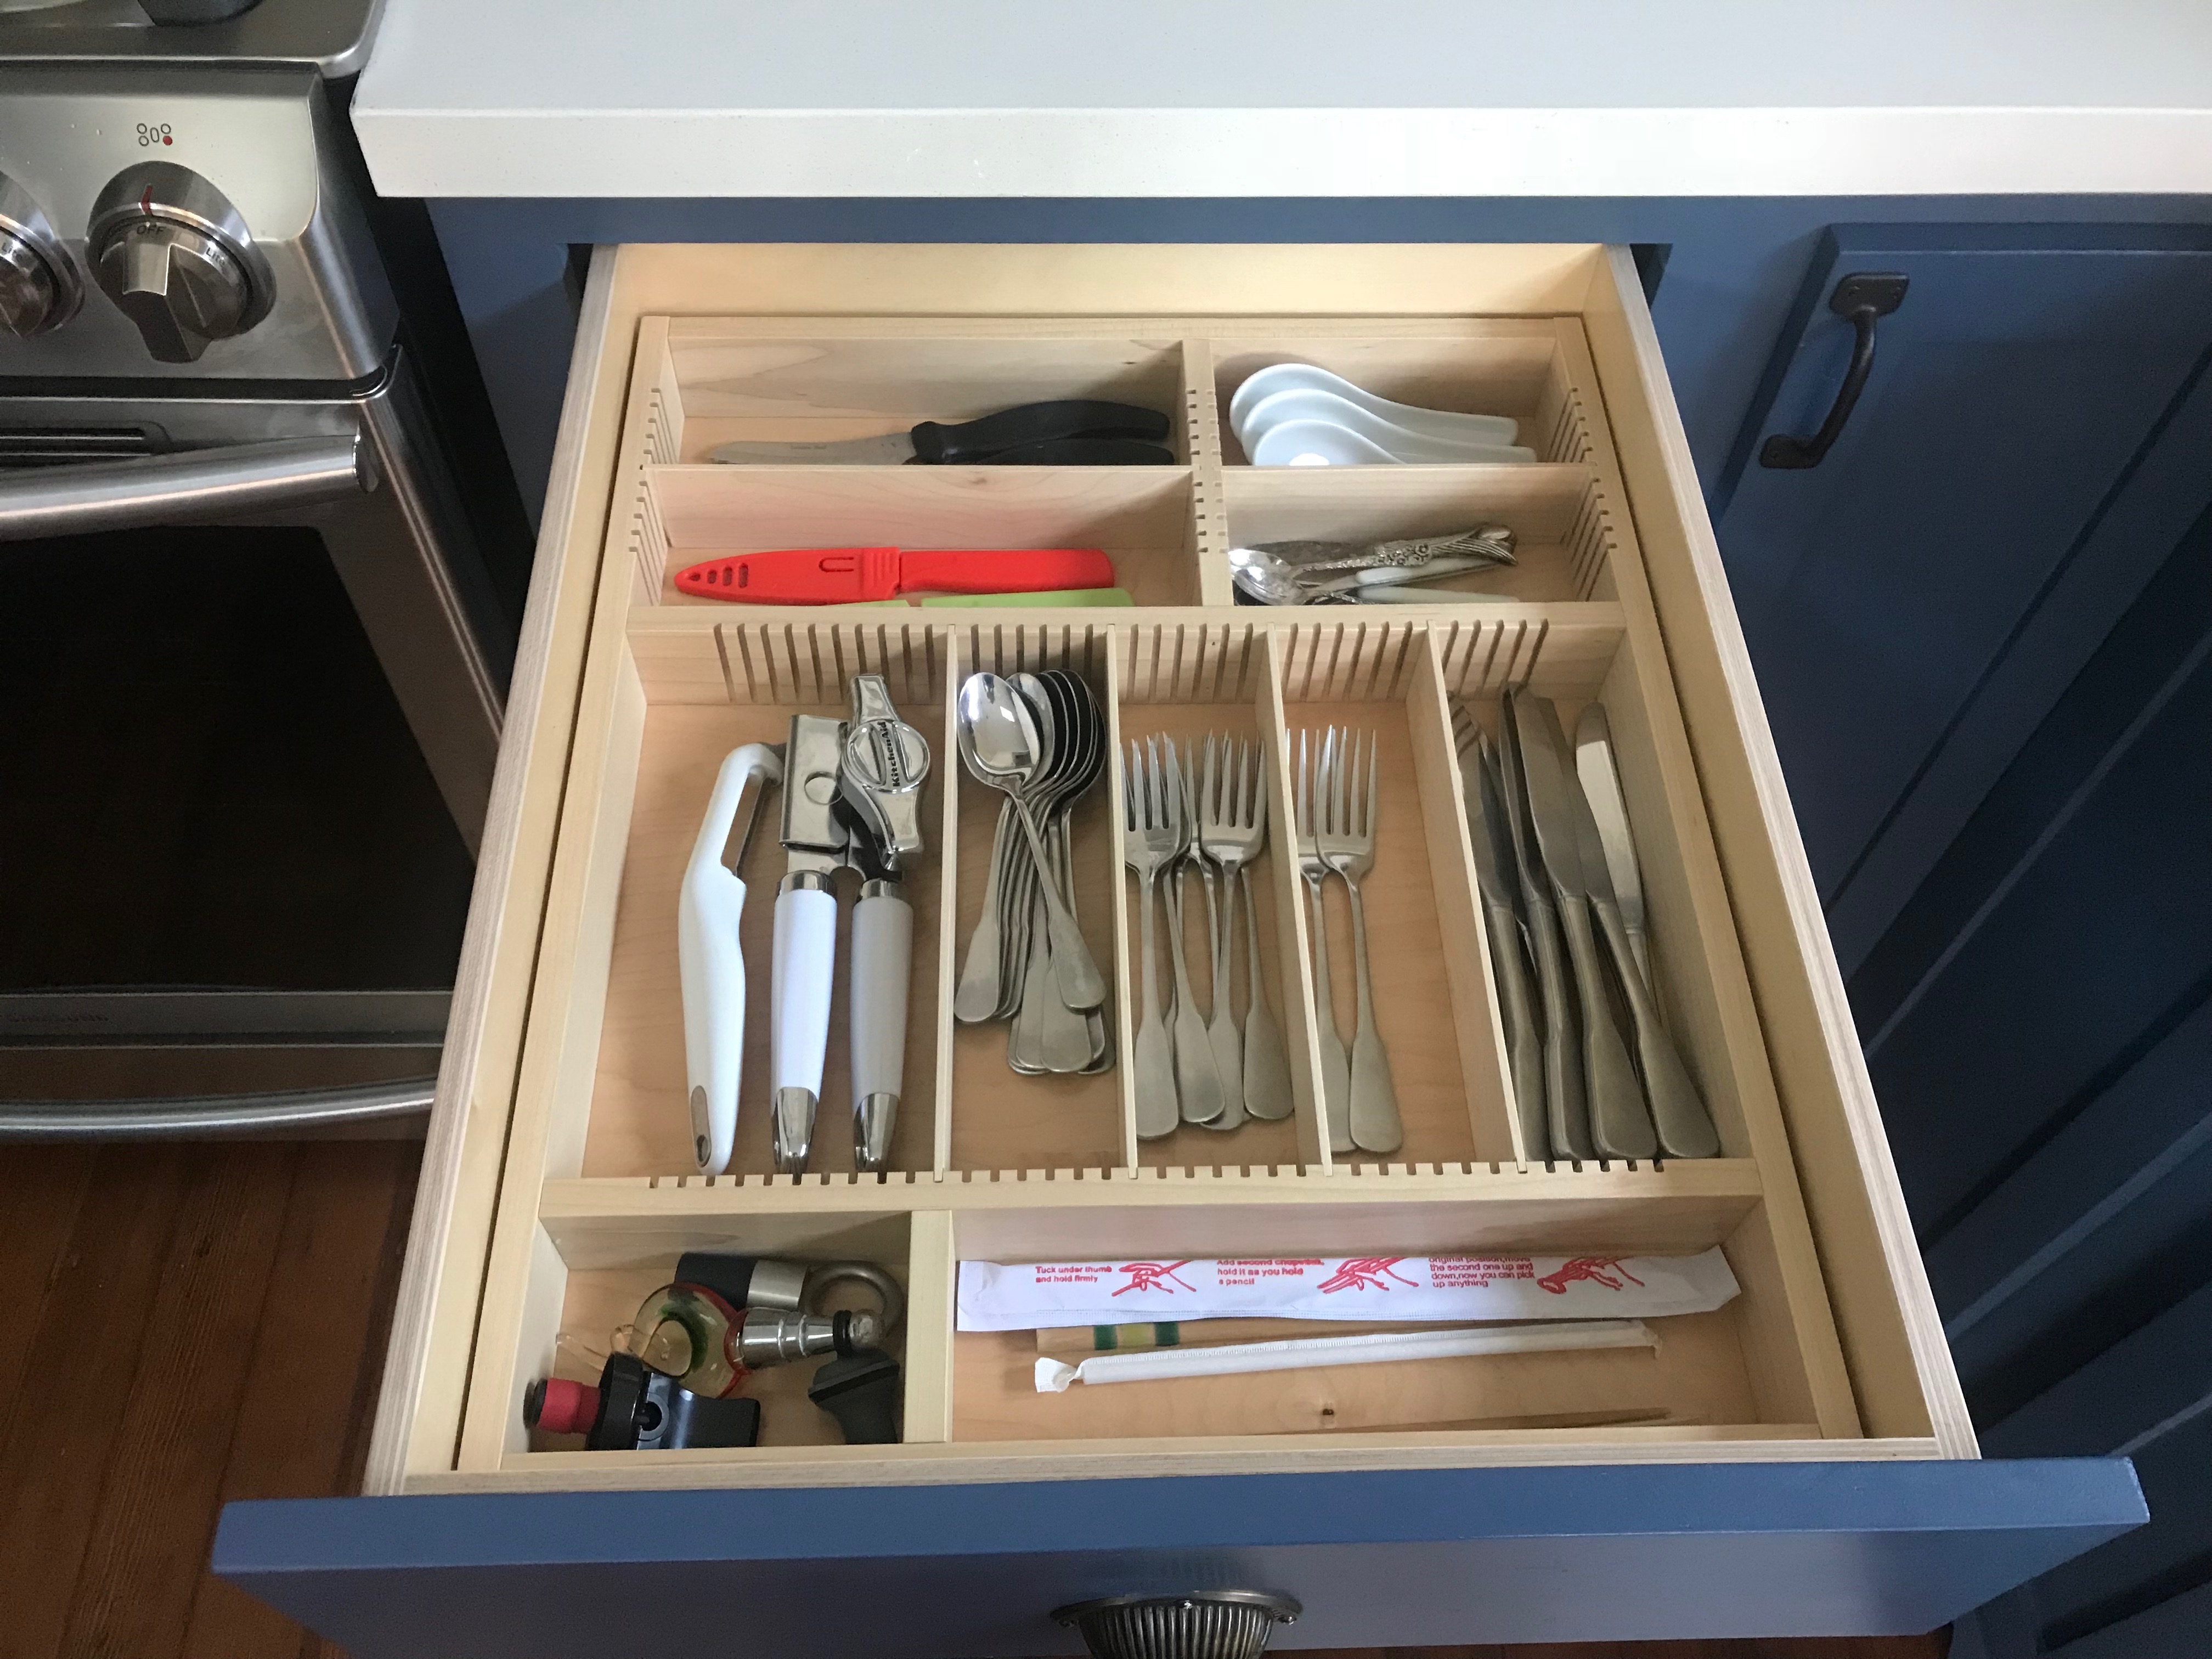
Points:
x=708, y=908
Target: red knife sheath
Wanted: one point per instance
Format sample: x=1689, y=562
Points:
x=840, y=575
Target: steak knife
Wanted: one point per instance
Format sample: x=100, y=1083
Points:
x=1066, y=432
x=1685, y=1127
x=1493, y=852
x=1565, y=1109
x=1620, y=1127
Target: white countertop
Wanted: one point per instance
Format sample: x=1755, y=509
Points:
x=1246, y=98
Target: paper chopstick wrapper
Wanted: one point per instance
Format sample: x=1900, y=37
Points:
x=994, y=1296
x=1304, y=1353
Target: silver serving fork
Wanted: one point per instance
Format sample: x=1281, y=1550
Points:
x=1336, y=1063
x=1214, y=840
x=1346, y=844
x=1152, y=841
x=1233, y=831
x=1198, y=1079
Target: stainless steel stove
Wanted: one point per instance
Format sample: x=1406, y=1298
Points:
x=253, y=651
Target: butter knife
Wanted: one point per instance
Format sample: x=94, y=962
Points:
x=1685, y=1127
x=1601, y=781
x=1620, y=1127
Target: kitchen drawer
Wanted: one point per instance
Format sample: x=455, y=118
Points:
x=1799, y=1460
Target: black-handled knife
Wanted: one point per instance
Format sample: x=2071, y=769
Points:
x=1123, y=433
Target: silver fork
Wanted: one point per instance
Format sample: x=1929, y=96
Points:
x=1346, y=845
x=1234, y=831
x=1150, y=843
x=1336, y=1063
x=1214, y=841
x=1197, y=1080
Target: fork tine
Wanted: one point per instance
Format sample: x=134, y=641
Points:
x=1155, y=806
x=1301, y=803
x=1362, y=743
x=1331, y=773
x=1171, y=783
x=1209, y=799
x=1374, y=791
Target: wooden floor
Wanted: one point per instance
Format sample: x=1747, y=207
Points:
x=180, y=1326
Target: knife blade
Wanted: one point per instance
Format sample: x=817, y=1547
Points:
x=992, y=439
x=1601, y=781
x=1620, y=1125
x=1524, y=1043
x=1566, y=1112
x=1678, y=1114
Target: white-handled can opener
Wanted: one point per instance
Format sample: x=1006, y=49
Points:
x=709, y=906
x=852, y=798
x=885, y=764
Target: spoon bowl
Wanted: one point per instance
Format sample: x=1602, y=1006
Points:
x=1306, y=377
x=1400, y=442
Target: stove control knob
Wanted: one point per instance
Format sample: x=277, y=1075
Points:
x=171, y=251
x=39, y=289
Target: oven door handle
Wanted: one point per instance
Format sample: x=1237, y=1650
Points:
x=190, y=485
x=278, y=1112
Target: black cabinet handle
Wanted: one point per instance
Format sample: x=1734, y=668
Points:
x=1864, y=296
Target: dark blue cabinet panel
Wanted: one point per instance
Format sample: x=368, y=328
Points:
x=1380, y=1560
x=2039, y=1025
x=2017, y=400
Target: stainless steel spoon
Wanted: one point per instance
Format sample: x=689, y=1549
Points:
x=998, y=741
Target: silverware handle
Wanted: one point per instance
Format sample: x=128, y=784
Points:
x=1564, y=1106
x=1073, y=969
x=1618, y=1124
x=1159, y=1109
x=1335, y=1061
x=1685, y=1128
x=197, y=483
x=978, y=995
x=1524, y=1041
x=1376, y=1125
x=1221, y=1035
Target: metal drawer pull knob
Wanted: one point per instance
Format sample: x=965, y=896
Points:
x=1202, y=1625
x=1865, y=297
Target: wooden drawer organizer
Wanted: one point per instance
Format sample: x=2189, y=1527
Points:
x=1825, y=1353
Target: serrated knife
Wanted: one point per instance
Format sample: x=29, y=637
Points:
x=1620, y=1127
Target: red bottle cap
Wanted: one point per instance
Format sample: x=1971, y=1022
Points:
x=560, y=1407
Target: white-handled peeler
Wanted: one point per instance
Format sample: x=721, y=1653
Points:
x=713, y=962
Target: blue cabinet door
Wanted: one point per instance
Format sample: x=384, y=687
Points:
x=1394, y=1559
x=2027, y=448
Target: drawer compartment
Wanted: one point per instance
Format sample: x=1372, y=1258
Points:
x=988, y=1164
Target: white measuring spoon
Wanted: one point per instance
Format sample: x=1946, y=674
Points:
x=1324, y=443
x=1305, y=377
x=1398, y=442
